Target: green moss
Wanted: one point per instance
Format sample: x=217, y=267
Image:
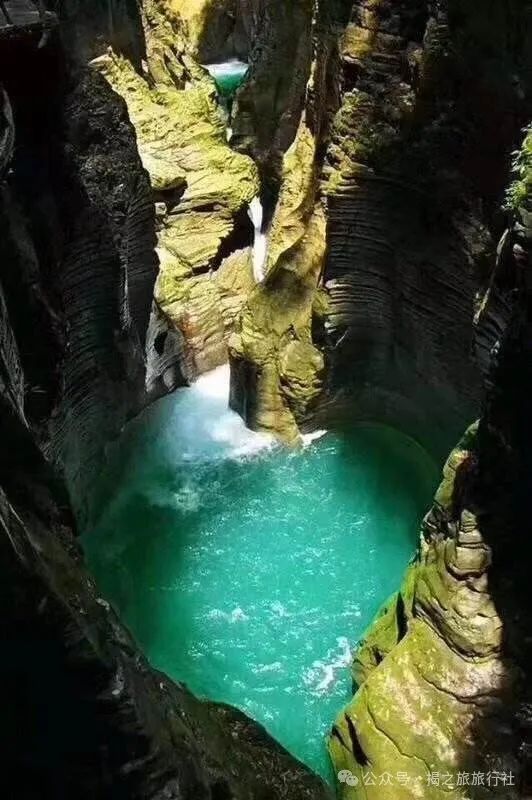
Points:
x=521, y=189
x=385, y=631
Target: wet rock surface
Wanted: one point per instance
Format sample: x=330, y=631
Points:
x=201, y=186
x=416, y=163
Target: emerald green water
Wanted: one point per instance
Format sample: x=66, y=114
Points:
x=228, y=76
x=248, y=571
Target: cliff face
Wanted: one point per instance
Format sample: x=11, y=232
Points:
x=442, y=674
x=432, y=99
x=377, y=134
x=423, y=104
x=201, y=186
x=277, y=370
x=78, y=272
x=269, y=105
x=218, y=30
x=78, y=261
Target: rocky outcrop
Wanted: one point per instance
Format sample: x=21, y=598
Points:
x=423, y=106
x=416, y=161
x=382, y=141
x=79, y=266
x=277, y=371
x=218, y=30
x=268, y=107
x=442, y=674
x=201, y=187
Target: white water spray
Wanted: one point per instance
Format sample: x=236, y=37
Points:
x=256, y=213
x=227, y=69
x=308, y=438
x=323, y=673
x=206, y=428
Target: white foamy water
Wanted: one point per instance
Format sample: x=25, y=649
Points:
x=213, y=430
x=260, y=242
x=227, y=69
x=324, y=674
x=308, y=438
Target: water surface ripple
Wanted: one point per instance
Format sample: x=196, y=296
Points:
x=248, y=571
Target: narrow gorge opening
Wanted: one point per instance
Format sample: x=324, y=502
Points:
x=228, y=76
x=247, y=570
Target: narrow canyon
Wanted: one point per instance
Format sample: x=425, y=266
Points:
x=265, y=380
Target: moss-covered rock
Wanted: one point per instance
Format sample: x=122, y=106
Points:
x=199, y=183
x=215, y=30
x=431, y=672
x=385, y=631
x=279, y=368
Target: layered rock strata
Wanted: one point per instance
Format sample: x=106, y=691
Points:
x=85, y=714
x=431, y=103
x=201, y=188
x=218, y=30
x=442, y=674
x=78, y=260
x=277, y=370
x=423, y=106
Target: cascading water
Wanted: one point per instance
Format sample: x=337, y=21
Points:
x=260, y=241
x=247, y=570
x=228, y=76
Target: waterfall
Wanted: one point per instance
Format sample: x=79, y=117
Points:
x=255, y=213
x=204, y=426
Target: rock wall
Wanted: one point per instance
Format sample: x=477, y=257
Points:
x=424, y=103
x=443, y=673
x=277, y=370
x=382, y=160
x=432, y=99
x=77, y=249
x=201, y=189
x=84, y=713
x=87, y=29
x=268, y=107
x=218, y=30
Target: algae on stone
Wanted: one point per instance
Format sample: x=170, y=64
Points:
x=273, y=343
x=199, y=183
x=439, y=675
